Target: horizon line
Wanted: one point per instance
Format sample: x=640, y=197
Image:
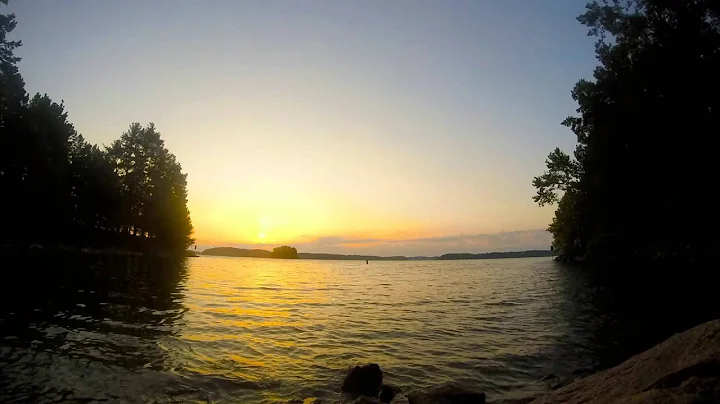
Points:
x=384, y=256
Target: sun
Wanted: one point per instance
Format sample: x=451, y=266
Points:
x=261, y=236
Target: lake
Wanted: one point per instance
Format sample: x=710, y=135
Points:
x=244, y=330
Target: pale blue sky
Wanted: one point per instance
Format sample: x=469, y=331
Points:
x=328, y=120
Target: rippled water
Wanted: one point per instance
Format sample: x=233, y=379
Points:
x=244, y=330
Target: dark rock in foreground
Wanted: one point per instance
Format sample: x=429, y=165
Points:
x=683, y=369
x=364, y=381
x=447, y=394
x=365, y=400
x=388, y=393
x=523, y=400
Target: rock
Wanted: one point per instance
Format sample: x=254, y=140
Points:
x=447, y=394
x=366, y=400
x=388, y=393
x=364, y=380
x=522, y=400
x=685, y=368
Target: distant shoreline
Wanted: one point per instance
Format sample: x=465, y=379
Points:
x=258, y=253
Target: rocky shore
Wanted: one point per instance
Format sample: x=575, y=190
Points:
x=683, y=369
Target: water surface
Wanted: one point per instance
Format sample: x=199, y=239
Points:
x=243, y=330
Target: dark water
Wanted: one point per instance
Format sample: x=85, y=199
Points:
x=241, y=330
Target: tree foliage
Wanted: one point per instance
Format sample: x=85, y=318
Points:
x=286, y=252
x=640, y=183
x=562, y=175
x=152, y=187
x=59, y=189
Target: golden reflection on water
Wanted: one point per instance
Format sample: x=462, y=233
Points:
x=240, y=330
x=248, y=312
x=303, y=322
x=237, y=330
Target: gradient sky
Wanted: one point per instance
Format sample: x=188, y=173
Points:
x=386, y=127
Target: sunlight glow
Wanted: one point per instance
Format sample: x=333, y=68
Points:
x=283, y=213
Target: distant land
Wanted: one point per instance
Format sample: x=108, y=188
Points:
x=257, y=253
x=493, y=255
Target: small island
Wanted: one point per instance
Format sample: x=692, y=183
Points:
x=283, y=252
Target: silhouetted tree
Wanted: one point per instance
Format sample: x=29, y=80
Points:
x=562, y=175
x=285, y=252
x=13, y=101
x=59, y=189
x=152, y=188
x=94, y=192
x=640, y=184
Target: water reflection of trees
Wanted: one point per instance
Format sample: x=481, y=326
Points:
x=107, y=308
x=608, y=315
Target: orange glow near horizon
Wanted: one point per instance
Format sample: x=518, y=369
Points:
x=306, y=214
x=272, y=217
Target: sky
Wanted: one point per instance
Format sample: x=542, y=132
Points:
x=373, y=127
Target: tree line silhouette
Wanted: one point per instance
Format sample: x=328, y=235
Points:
x=58, y=189
x=641, y=183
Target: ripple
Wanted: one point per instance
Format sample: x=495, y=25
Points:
x=269, y=331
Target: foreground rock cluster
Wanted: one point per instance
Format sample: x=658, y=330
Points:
x=684, y=369
x=366, y=382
